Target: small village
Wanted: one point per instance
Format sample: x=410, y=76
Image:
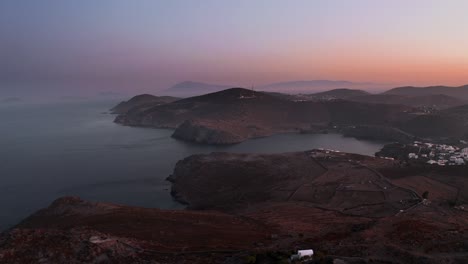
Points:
x=439, y=154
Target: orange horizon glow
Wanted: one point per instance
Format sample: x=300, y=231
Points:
x=151, y=45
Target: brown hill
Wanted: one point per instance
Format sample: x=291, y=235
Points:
x=227, y=181
x=451, y=122
x=236, y=114
x=71, y=230
x=438, y=101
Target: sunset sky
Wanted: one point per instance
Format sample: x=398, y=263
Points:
x=145, y=45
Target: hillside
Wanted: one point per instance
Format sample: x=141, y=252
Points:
x=236, y=114
x=447, y=123
x=460, y=92
x=72, y=230
x=438, y=101
x=143, y=100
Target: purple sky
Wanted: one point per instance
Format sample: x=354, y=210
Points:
x=130, y=46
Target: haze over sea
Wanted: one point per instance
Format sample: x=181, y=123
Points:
x=73, y=148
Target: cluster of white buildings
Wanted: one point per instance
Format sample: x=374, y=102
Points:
x=440, y=154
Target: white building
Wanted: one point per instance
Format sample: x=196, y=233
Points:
x=302, y=254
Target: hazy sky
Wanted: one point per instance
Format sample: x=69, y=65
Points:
x=135, y=45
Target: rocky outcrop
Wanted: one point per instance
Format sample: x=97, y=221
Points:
x=227, y=181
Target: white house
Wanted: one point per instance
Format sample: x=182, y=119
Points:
x=302, y=254
x=305, y=253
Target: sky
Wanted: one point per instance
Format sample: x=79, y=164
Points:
x=78, y=47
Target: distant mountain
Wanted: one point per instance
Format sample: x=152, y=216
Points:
x=189, y=88
x=341, y=93
x=313, y=86
x=460, y=92
x=438, y=101
x=142, y=101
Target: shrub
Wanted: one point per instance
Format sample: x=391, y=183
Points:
x=252, y=259
x=425, y=195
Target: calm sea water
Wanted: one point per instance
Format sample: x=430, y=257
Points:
x=54, y=150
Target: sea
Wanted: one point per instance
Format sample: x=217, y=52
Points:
x=74, y=148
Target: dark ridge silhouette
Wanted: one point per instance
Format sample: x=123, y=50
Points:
x=460, y=92
x=343, y=93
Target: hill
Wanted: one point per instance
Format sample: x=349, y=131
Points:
x=236, y=114
x=438, y=101
x=460, y=92
x=447, y=123
x=143, y=100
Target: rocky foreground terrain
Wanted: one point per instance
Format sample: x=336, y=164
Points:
x=258, y=208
